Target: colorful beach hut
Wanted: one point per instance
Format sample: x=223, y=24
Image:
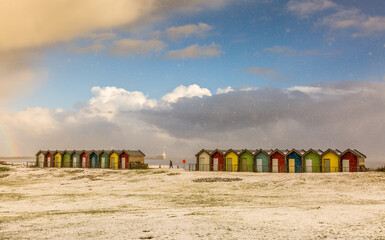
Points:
x=94, y=159
x=277, y=161
x=217, y=160
x=294, y=161
x=114, y=160
x=104, y=159
x=123, y=160
x=66, y=159
x=261, y=161
x=246, y=162
x=58, y=159
x=203, y=160
x=49, y=159
x=312, y=161
x=349, y=161
x=84, y=157
x=232, y=160
x=75, y=159
x=329, y=161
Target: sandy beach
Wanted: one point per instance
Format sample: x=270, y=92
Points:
x=178, y=204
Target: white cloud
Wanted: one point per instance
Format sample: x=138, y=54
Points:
x=195, y=51
x=188, y=30
x=97, y=44
x=136, y=47
x=305, y=7
x=354, y=20
x=225, y=90
x=289, y=51
x=190, y=91
x=108, y=101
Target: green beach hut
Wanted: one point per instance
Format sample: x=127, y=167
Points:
x=66, y=159
x=246, y=162
x=312, y=160
x=75, y=159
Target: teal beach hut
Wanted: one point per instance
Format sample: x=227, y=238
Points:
x=75, y=159
x=261, y=161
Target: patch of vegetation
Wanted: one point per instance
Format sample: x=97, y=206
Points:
x=381, y=169
x=173, y=174
x=4, y=175
x=217, y=179
x=4, y=169
x=90, y=177
x=74, y=171
x=147, y=237
x=158, y=172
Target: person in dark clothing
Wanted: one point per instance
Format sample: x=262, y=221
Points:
x=171, y=164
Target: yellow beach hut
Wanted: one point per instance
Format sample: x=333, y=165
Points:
x=114, y=160
x=232, y=159
x=329, y=160
x=58, y=159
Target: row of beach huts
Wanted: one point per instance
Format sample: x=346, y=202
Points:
x=114, y=159
x=290, y=161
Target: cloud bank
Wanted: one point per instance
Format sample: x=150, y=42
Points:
x=339, y=115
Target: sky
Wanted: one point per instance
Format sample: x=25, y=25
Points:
x=182, y=75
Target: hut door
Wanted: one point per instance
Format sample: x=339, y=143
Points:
x=259, y=165
x=309, y=165
x=244, y=164
x=215, y=164
x=229, y=164
x=103, y=162
x=123, y=162
x=49, y=162
x=326, y=165
x=345, y=165
x=113, y=163
x=291, y=165
x=84, y=162
x=41, y=161
x=275, y=165
x=74, y=162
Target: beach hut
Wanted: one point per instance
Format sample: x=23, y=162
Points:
x=135, y=156
x=58, y=159
x=104, y=159
x=203, y=160
x=40, y=159
x=277, y=161
x=312, y=160
x=114, y=160
x=94, y=159
x=232, y=160
x=123, y=160
x=293, y=161
x=329, y=160
x=361, y=160
x=49, y=159
x=84, y=157
x=75, y=159
x=217, y=160
x=349, y=161
x=261, y=161
x=246, y=161
x=66, y=159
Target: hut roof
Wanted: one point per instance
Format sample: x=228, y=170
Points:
x=203, y=150
x=294, y=150
x=314, y=151
x=355, y=152
x=336, y=152
x=360, y=153
x=234, y=151
x=135, y=153
x=251, y=152
x=276, y=150
x=257, y=151
x=222, y=152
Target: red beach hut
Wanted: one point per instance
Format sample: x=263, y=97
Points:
x=349, y=161
x=49, y=159
x=84, y=159
x=217, y=160
x=123, y=160
x=277, y=161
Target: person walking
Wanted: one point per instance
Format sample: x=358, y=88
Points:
x=171, y=164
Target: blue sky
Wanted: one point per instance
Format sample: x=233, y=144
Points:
x=137, y=67
x=242, y=30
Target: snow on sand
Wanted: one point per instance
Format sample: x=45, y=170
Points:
x=169, y=204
